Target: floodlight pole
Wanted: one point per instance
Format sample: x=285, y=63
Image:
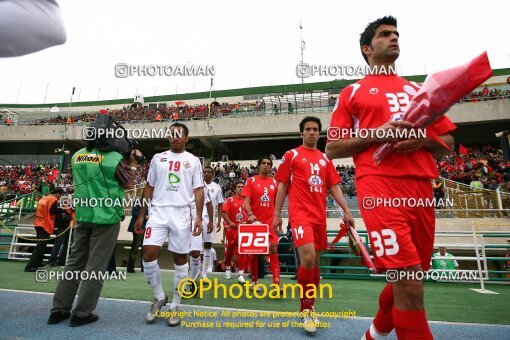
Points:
x=302, y=46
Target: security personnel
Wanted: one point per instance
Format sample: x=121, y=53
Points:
x=96, y=175
x=44, y=224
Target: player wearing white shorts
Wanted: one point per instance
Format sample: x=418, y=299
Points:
x=174, y=177
x=204, y=242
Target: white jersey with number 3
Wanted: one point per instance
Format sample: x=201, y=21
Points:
x=174, y=176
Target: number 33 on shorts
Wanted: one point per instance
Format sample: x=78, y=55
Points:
x=385, y=243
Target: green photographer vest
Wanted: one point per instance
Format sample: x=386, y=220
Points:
x=94, y=181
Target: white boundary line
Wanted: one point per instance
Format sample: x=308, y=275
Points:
x=254, y=310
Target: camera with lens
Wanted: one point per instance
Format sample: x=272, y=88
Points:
x=111, y=136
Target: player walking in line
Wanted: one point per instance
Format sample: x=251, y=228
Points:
x=402, y=238
x=307, y=174
x=174, y=176
x=234, y=215
x=204, y=242
x=259, y=197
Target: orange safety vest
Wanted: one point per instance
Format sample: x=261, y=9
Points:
x=69, y=120
x=175, y=116
x=43, y=217
x=9, y=121
x=158, y=117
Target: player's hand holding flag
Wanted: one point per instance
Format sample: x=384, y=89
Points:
x=441, y=91
x=355, y=243
x=349, y=219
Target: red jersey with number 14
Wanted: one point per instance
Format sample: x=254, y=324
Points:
x=262, y=194
x=308, y=174
x=234, y=207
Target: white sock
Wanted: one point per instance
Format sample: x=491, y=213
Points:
x=181, y=272
x=241, y=272
x=374, y=333
x=153, y=276
x=207, y=260
x=194, y=267
x=228, y=269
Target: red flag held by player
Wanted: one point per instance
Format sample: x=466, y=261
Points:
x=356, y=244
x=441, y=91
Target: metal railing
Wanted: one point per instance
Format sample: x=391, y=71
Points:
x=19, y=205
x=469, y=202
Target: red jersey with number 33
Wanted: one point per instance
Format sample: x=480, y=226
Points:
x=234, y=207
x=369, y=104
x=262, y=194
x=308, y=174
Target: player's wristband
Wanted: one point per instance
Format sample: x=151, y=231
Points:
x=252, y=214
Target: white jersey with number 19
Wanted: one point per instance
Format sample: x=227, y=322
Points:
x=174, y=176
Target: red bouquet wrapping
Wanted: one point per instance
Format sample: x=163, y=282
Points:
x=355, y=242
x=441, y=91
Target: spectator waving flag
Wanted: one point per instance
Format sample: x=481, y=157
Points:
x=463, y=150
x=441, y=91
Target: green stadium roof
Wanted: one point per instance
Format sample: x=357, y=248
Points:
x=325, y=85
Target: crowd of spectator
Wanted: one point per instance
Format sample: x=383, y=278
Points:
x=482, y=164
x=477, y=166
x=202, y=111
x=171, y=113
x=16, y=180
x=487, y=94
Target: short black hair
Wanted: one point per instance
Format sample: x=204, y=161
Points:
x=184, y=127
x=209, y=167
x=368, y=34
x=259, y=162
x=236, y=183
x=309, y=119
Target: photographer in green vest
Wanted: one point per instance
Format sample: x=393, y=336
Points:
x=99, y=179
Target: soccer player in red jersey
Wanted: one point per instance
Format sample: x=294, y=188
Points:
x=234, y=214
x=402, y=238
x=306, y=174
x=259, y=197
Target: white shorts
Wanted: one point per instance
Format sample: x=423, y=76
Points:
x=173, y=223
x=197, y=242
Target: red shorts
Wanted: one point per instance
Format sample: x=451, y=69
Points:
x=401, y=235
x=306, y=232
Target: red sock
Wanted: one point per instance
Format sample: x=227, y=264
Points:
x=254, y=268
x=241, y=262
x=306, y=277
x=411, y=324
x=228, y=258
x=383, y=321
x=274, y=265
x=316, y=276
